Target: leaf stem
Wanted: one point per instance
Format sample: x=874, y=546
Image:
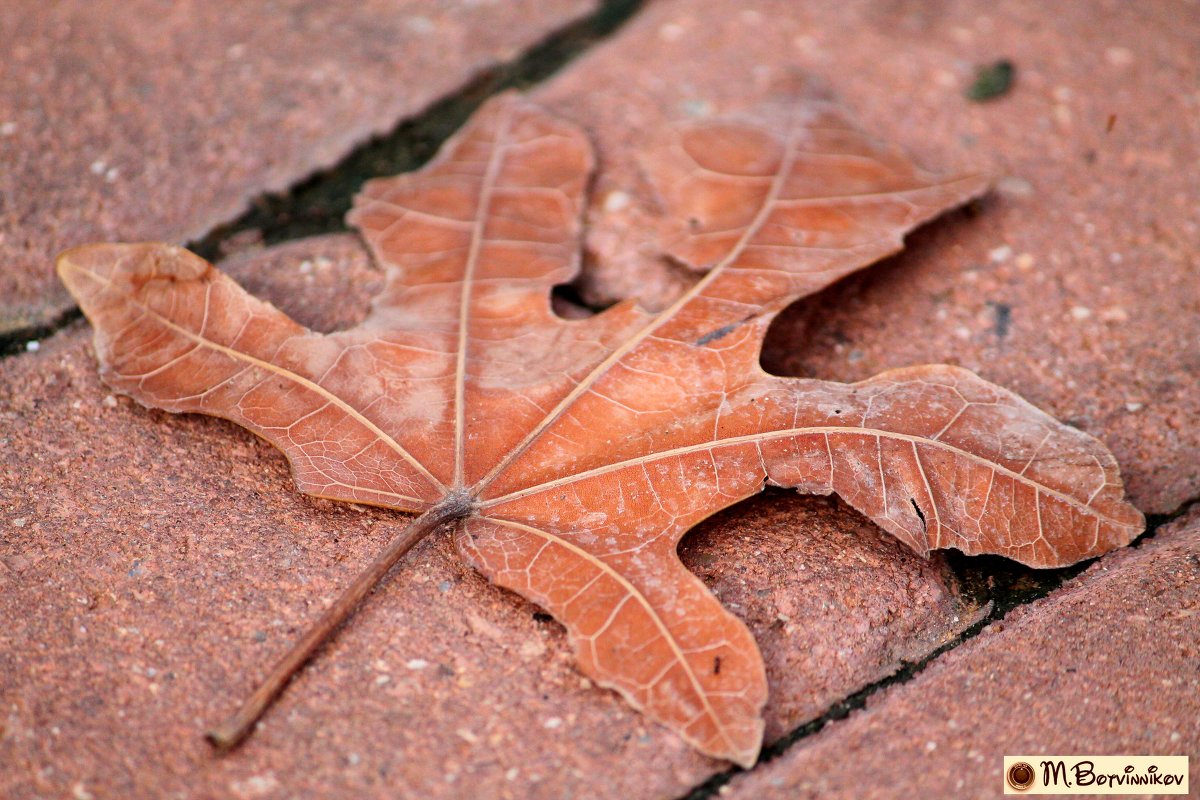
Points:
x=235, y=728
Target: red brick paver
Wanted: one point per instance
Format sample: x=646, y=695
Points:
x=1109, y=664
x=134, y=119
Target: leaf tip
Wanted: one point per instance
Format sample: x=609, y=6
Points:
x=68, y=263
x=747, y=756
x=134, y=263
x=740, y=742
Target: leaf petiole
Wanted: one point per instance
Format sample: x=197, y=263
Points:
x=238, y=726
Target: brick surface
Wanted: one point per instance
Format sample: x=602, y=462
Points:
x=139, y=119
x=327, y=282
x=160, y=563
x=1075, y=282
x=155, y=565
x=1109, y=664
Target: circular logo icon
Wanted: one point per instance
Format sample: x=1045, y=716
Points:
x=1020, y=776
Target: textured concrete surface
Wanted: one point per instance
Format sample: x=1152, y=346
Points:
x=1074, y=284
x=150, y=120
x=1108, y=664
x=155, y=565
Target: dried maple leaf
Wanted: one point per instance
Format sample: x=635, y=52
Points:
x=571, y=457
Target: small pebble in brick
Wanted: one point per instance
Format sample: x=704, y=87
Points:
x=1000, y=254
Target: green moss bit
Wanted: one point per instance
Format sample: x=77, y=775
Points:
x=992, y=81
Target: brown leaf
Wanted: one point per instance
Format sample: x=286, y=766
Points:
x=576, y=454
